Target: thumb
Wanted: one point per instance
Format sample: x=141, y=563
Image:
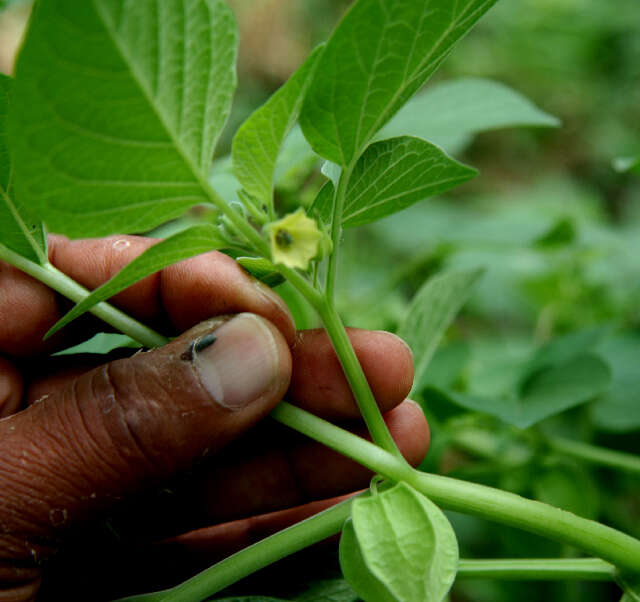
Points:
x=130, y=424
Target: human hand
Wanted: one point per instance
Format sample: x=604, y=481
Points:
x=138, y=442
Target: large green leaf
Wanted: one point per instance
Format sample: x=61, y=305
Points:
x=430, y=313
x=618, y=408
x=257, y=143
x=378, y=57
x=393, y=174
x=398, y=547
x=545, y=393
x=118, y=106
x=19, y=231
x=449, y=114
x=184, y=244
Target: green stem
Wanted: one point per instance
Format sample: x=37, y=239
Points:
x=471, y=498
x=261, y=554
x=595, y=455
x=68, y=287
x=336, y=231
x=357, y=380
x=542, y=569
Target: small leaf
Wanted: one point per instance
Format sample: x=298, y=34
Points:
x=393, y=174
x=262, y=269
x=377, y=58
x=19, y=231
x=430, y=313
x=545, y=393
x=258, y=141
x=398, y=547
x=103, y=342
x=118, y=106
x=322, y=206
x=186, y=243
x=449, y=114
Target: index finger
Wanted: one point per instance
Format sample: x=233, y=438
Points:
x=171, y=300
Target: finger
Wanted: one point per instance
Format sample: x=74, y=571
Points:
x=130, y=424
x=185, y=293
x=318, y=383
x=172, y=300
x=291, y=470
x=10, y=388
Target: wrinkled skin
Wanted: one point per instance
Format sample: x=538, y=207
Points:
x=130, y=474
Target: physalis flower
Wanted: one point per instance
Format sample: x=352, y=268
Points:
x=295, y=240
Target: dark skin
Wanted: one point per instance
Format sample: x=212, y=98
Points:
x=142, y=445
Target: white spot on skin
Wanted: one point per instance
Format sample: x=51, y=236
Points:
x=41, y=399
x=120, y=244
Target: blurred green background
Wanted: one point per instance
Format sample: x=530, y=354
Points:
x=555, y=226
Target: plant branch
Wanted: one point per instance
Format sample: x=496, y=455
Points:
x=357, y=380
x=68, y=287
x=471, y=498
x=542, y=569
x=595, y=455
x=261, y=554
x=336, y=230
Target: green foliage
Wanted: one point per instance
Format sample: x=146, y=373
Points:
x=431, y=312
x=377, y=58
x=114, y=118
x=450, y=113
x=398, y=546
x=113, y=122
x=545, y=392
x=257, y=143
x=393, y=174
x=18, y=230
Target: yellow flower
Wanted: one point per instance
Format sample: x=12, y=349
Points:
x=295, y=240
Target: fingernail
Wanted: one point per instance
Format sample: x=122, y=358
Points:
x=239, y=362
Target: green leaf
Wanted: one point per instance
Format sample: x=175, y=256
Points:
x=547, y=392
x=322, y=206
x=377, y=58
x=398, y=546
x=184, y=244
x=18, y=230
x=103, y=342
x=262, y=269
x=430, y=313
x=393, y=174
x=257, y=143
x=118, y=106
x=618, y=408
x=449, y=114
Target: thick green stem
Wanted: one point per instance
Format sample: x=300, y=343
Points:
x=261, y=554
x=357, y=380
x=595, y=455
x=64, y=285
x=336, y=231
x=493, y=504
x=541, y=569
